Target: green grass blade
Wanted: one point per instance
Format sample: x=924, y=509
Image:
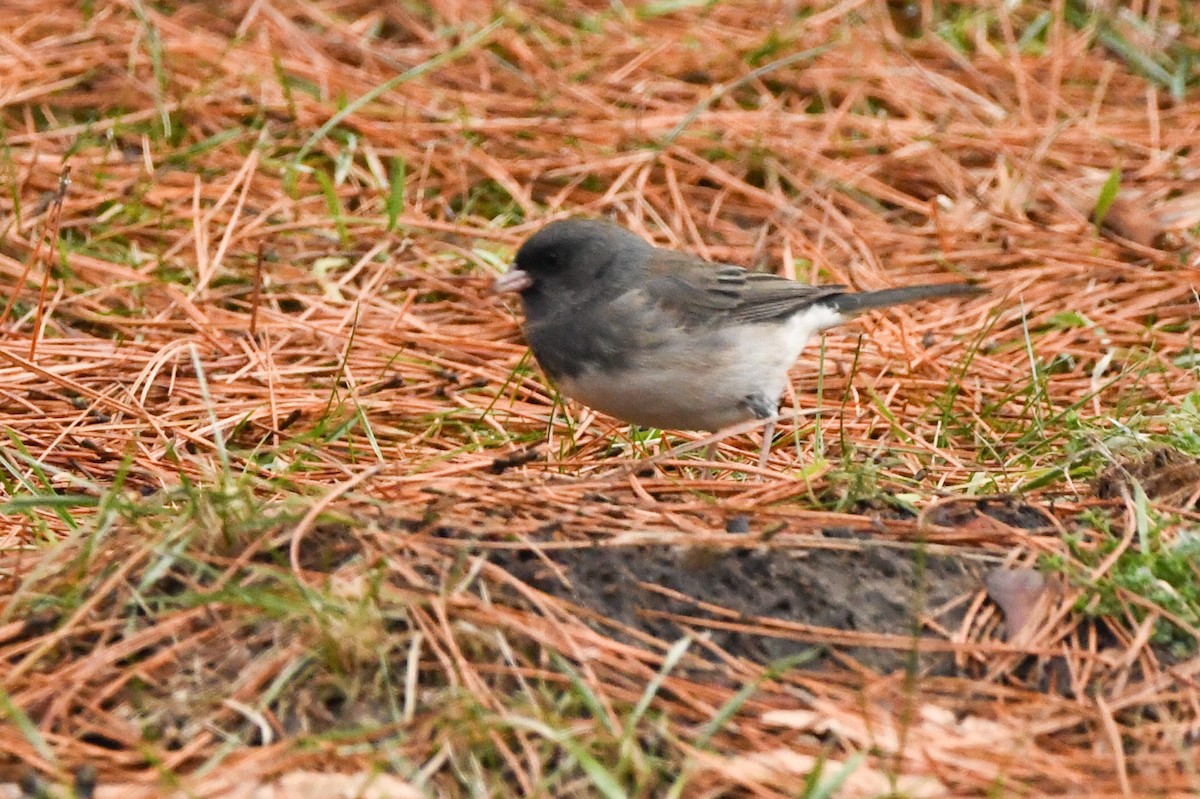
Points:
x=1108, y=195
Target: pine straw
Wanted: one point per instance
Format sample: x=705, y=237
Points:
x=382, y=375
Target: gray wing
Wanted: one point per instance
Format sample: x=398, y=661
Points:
x=699, y=293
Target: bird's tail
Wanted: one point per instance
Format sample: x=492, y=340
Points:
x=850, y=304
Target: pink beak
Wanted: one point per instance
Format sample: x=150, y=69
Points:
x=512, y=280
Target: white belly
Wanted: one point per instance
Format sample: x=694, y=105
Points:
x=702, y=381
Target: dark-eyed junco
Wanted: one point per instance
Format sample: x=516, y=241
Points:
x=664, y=339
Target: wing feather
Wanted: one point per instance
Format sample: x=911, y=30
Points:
x=698, y=293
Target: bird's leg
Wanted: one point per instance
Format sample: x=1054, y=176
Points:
x=768, y=436
x=767, y=411
x=710, y=454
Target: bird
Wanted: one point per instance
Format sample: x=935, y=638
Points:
x=661, y=338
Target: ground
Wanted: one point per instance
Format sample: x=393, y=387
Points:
x=286, y=508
